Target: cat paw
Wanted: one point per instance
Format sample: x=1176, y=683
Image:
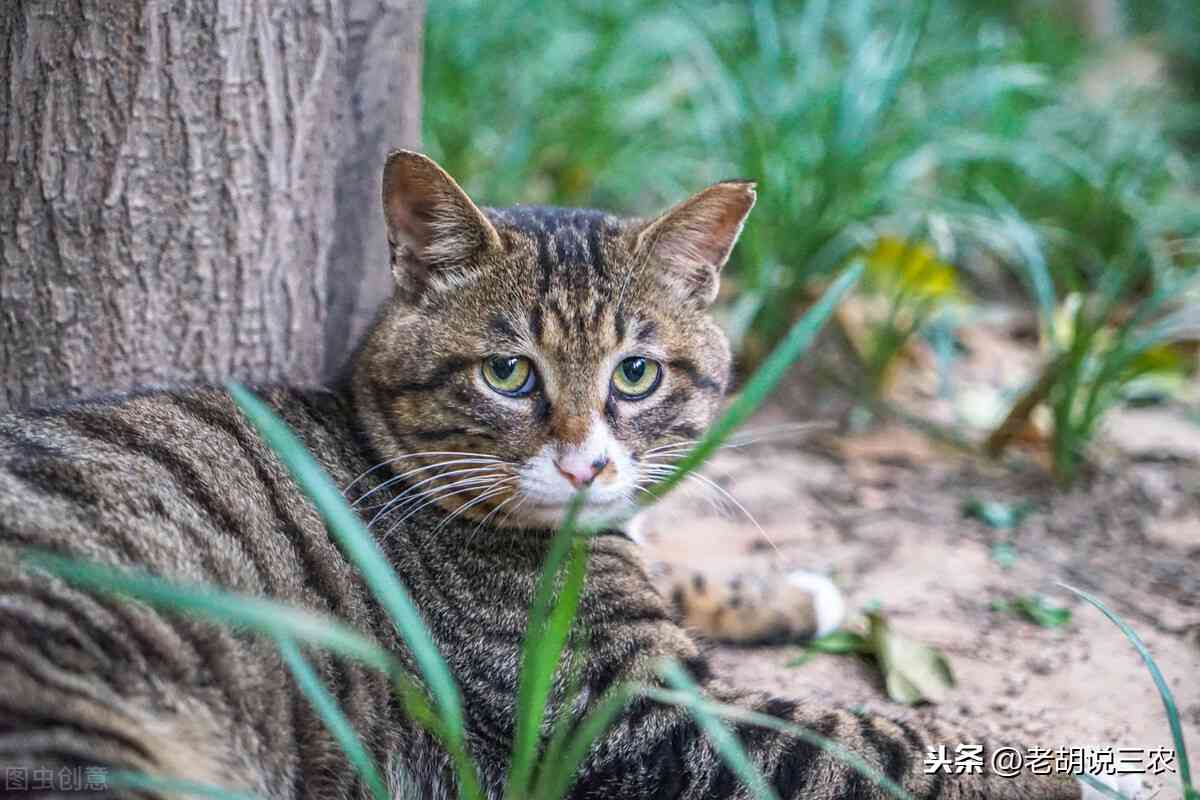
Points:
x=829, y=604
x=750, y=607
x=1130, y=787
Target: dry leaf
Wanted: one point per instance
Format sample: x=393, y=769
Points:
x=913, y=672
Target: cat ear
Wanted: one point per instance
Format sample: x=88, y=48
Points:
x=432, y=225
x=689, y=244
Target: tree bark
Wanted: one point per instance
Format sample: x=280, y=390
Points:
x=184, y=186
x=380, y=111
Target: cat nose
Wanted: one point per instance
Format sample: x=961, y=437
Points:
x=581, y=474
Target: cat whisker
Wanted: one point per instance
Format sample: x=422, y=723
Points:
x=462, y=509
x=511, y=511
x=493, y=513
x=408, y=493
x=435, y=493
x=442, y=496
x=455, y=461
x=743, y=438
x=440, y=475
x=426, y=454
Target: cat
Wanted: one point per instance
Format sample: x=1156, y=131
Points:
x=526, y=353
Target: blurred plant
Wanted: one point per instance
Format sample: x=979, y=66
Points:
x=883, y=132
x=1035, y=608
x=848, y=114
x=554, y=103
x=997, y=514
x=912, y=672
x=911, y=285
x=1110, y=340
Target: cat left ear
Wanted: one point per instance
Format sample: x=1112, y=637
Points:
x=691, y=243
x=432, y=225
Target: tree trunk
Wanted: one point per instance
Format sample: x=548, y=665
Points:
x=187, y=185
x=379, y=111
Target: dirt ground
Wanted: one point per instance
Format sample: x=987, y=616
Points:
x=882, y=512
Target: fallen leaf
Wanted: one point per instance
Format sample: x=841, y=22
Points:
x=840, y=643
x=912, y=672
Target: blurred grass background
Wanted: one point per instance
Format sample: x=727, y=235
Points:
x=1036, y=152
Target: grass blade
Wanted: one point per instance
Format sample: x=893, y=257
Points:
x=362, y=549
x=228, y=608
x=1164, y=691
x=723, y=739
x=335, y=721
x=561, y=764
x=120, y=779
x=776, y=365
x=733, y=713
x=545, y=639
x=347, y=528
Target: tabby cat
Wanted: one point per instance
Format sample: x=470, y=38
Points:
x=526, y=353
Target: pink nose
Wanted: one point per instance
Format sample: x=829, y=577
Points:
x=581, y=475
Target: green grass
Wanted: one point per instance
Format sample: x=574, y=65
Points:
x=333, y=718
x=697, y=703
x=760, y=385
x=150, y=783
x=546, y=639
x=719, y=733
x=958, y=123
x=1164, y=692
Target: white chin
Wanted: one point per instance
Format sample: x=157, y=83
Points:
x=592, y=514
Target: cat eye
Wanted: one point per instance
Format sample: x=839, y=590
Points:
x=635, y=378
x=511, y=376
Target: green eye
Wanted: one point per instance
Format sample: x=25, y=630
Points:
x=509, y=375
x=635, y=378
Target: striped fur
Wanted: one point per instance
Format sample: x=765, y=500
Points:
x=176, y=483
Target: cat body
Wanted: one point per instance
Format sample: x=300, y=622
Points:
x=527, y=353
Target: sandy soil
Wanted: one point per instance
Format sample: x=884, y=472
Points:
x=882, y=512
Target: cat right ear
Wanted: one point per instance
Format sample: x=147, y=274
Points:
x=692, y=241
x=432, y=226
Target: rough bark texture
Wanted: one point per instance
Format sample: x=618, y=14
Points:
x=173, y=180
x=379, y=111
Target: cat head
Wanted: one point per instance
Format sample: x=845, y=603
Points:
x=530, y=352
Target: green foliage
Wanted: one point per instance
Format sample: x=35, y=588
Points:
x=331, y=714
x=912, y=672
x=1103, y=355
x=759, y=386
x=545, y=640
x=363, y=549
x=1035, y=608
x=963, y=128
x=719, y=733
x=696, y=702
x=997, y=514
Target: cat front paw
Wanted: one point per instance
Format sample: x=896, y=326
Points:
x=754, y=606
x=828, y=602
